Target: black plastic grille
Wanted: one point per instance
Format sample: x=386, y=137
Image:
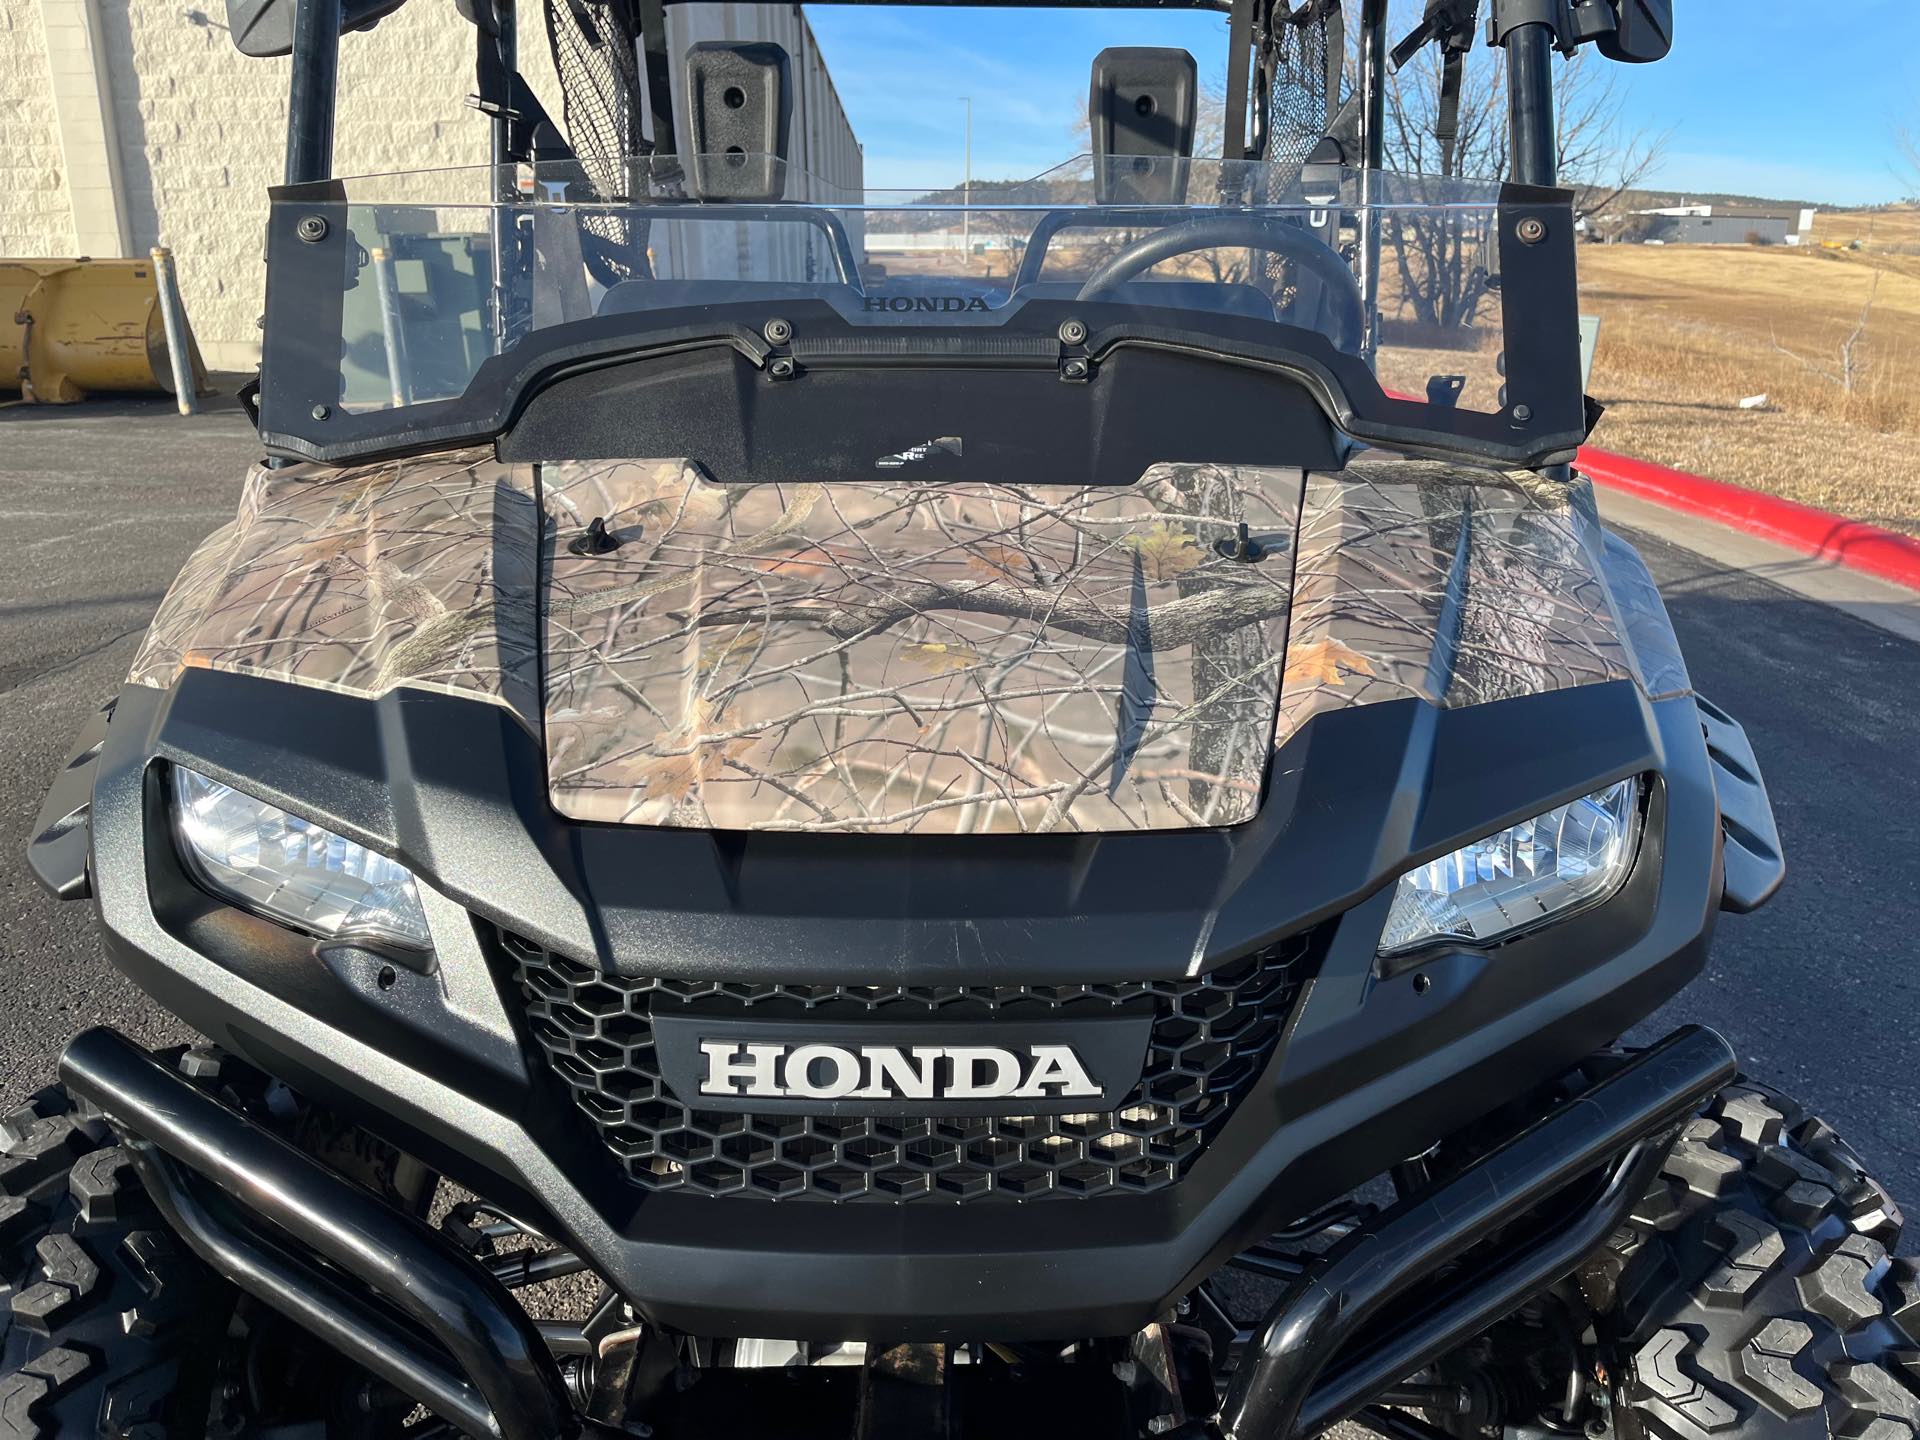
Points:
x=1210, y=1040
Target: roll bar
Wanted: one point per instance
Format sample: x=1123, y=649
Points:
x=1526, y=29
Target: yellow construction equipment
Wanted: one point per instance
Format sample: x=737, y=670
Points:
x=73, y=328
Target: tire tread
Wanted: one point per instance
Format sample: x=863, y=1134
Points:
x=1752, y=1293
x=109, y=1324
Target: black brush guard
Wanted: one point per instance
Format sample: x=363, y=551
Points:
x=380, y=1287
x=394, y=1296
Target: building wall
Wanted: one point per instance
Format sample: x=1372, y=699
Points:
x=198, y=130
x=35, y=218
x=126, y=124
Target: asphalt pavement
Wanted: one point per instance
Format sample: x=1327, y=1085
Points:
x=1819, y=991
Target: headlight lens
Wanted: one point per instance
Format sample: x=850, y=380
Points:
x=1573, y=855
x=291, y=870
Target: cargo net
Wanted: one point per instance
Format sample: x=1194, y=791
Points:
x=1300, y=109
x=596, y=55
x=1302, y=103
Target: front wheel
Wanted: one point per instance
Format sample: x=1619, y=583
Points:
x=1754, y=1293
x=111, y=1326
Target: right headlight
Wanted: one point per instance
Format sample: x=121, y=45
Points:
x=1572, y=856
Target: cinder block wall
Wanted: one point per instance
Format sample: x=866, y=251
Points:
x=199, y=134
x=35, y=218
x=126, y=124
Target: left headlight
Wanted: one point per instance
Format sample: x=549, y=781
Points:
x=290, y=870
x=1573, y=856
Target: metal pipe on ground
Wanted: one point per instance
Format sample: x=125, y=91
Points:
x=173, y=318
x=392, y=327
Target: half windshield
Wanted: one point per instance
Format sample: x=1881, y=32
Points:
x=439, y=273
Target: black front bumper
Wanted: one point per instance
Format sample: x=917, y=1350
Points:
x=440, y=1328
x=1372, y=1067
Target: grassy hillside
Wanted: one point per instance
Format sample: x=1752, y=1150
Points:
x=1687, y=331
x=1884, y=229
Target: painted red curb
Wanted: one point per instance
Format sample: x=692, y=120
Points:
x=1851, y=544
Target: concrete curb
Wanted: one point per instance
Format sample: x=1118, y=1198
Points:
x=1833, y=539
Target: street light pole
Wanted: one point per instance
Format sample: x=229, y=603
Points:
x=966, y=214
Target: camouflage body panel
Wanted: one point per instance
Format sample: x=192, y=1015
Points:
x=1651, y=643
x=1446, y=583
x=362, y=580
x=896, y=657
x=884, y=658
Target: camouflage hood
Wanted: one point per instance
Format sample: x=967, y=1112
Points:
x=932, y=657
x=898, y=657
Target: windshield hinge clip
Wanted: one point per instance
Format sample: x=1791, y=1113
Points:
x=1241, y=546
x=598, y=539
x=492, y=108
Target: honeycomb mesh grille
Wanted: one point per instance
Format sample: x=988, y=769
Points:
x=1210, y=1039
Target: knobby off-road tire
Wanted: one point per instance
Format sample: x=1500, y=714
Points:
x=1753, y=1295
x=111, y=1326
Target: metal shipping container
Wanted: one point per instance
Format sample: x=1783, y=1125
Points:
x=824, y=160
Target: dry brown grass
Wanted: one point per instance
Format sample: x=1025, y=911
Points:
x=1687, y=331
x=1874, y=228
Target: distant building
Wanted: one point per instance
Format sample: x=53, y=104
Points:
x=1688, y=224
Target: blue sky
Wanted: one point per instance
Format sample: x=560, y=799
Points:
x=1803, y=103
x=900, y=71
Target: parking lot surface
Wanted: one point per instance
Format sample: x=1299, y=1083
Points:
x=1819, y=992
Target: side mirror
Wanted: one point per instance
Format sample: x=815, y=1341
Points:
x=1644, y=32
x=1142, y=112
x=739, y=109
x=265, y=27
x=1637, y=32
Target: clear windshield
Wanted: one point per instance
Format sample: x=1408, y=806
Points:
x=446, y=269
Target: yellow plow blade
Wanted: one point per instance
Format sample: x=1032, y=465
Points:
x=74, y=328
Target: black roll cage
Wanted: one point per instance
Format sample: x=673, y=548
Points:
x=1527, y=29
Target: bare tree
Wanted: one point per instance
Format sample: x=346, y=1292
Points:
x=1908, y=165
x=1599, y=155
x=1850, y=363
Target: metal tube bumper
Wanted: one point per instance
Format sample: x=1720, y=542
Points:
x=496, y=1377
x=313, y=1300
x=1622, y=1126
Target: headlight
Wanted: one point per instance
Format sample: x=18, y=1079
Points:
x=1574, y=855
x=291, y=870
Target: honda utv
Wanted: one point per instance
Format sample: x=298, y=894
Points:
x=1023, y=810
